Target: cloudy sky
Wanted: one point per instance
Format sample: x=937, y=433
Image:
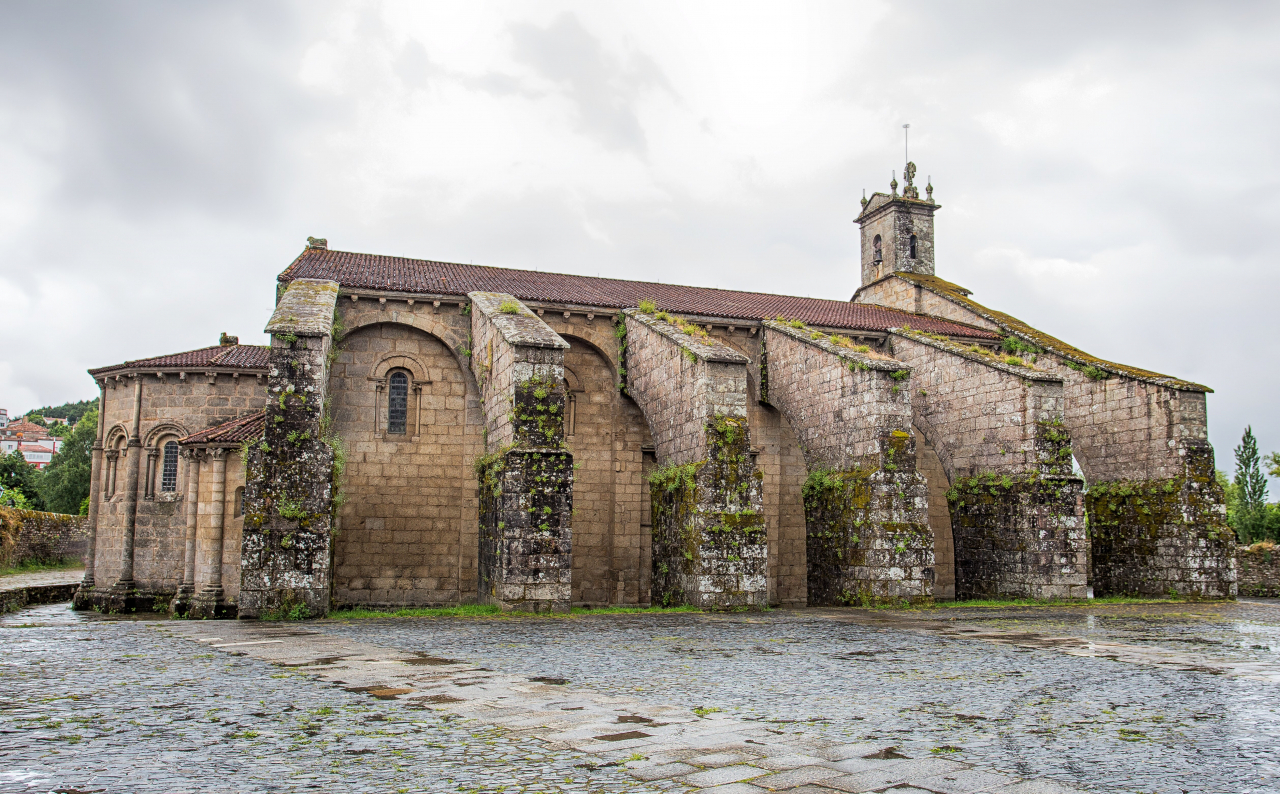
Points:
x=1108, y=171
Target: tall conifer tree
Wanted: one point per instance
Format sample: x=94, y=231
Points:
x=1251, y=489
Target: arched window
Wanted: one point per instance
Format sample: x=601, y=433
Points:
x=876, y=247
x=913, y=246
x=238, y=509
x=169, y=469
x=397, y=402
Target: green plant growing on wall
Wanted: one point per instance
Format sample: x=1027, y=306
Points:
x=510, y=307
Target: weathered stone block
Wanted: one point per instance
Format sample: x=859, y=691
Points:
x=1164, y=536
x=288, y=499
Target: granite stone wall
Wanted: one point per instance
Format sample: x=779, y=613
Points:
x=289, y=489
x=710, y=541
x=1164, y=536
x=172, y=406
x=1017, y=512
x=526, y=478
x=34, y=536
x=866, y=507
x=1258, y=570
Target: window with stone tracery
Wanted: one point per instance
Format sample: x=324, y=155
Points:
x=397, y=402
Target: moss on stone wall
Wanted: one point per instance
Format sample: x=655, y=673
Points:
x=538, y=414
x=867, y=537
x=1019, y=535
x=1154, y=537
x=709, y=541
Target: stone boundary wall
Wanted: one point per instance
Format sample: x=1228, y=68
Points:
x=681, y=383
x=1258, y=571
x=526, y=481
x=30, y=535
x=1017, y=513
x=289, y=477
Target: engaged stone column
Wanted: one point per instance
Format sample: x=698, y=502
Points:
x=866, y=507
x=710, y=547
x=123, y=596
x=182, y=601
x=526, y=477
x=82, y=598
x=1017, y=511
x=289, y=477
x=209, y=602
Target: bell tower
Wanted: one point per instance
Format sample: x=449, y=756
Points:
x=897, y=230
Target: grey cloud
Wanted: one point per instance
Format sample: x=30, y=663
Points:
x=604, y=90
x=165, y=105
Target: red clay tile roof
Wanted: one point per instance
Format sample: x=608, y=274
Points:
x=250, y=357
x=25, y=428
x=228, y=433
x=398, y=274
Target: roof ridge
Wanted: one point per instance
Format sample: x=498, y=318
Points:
x=319, y=253
x=1012, y=325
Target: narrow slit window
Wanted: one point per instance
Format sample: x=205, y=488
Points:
x=397, y=403
x=913, y=246
x=169, y=470
x=238, y=510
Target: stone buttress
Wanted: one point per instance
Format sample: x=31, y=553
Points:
x=866, y=507
x=1017, y=511
x=1157, y=517
x=289, y=474
x=709, y=545
x=526, y=477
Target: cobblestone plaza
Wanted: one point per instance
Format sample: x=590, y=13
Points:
x=1125, y=698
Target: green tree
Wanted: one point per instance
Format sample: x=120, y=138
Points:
x=1273, y=464
x=65, y=481
x=1250, y=512
x=18, y=475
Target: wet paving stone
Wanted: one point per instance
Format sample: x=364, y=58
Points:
x=1093, y=723
x=117, y=706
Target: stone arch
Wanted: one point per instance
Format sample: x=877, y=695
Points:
x=937, y=482
x=155, y=434
x=399, y=360
x=408, y=527
x=432, y=324
x=572, y=381
x=598, y=335
x=117, y=433
x=921, y=424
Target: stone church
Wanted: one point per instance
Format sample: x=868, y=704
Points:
x=424, y=433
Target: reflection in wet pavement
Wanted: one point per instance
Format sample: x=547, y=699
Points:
x=1101, y=724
